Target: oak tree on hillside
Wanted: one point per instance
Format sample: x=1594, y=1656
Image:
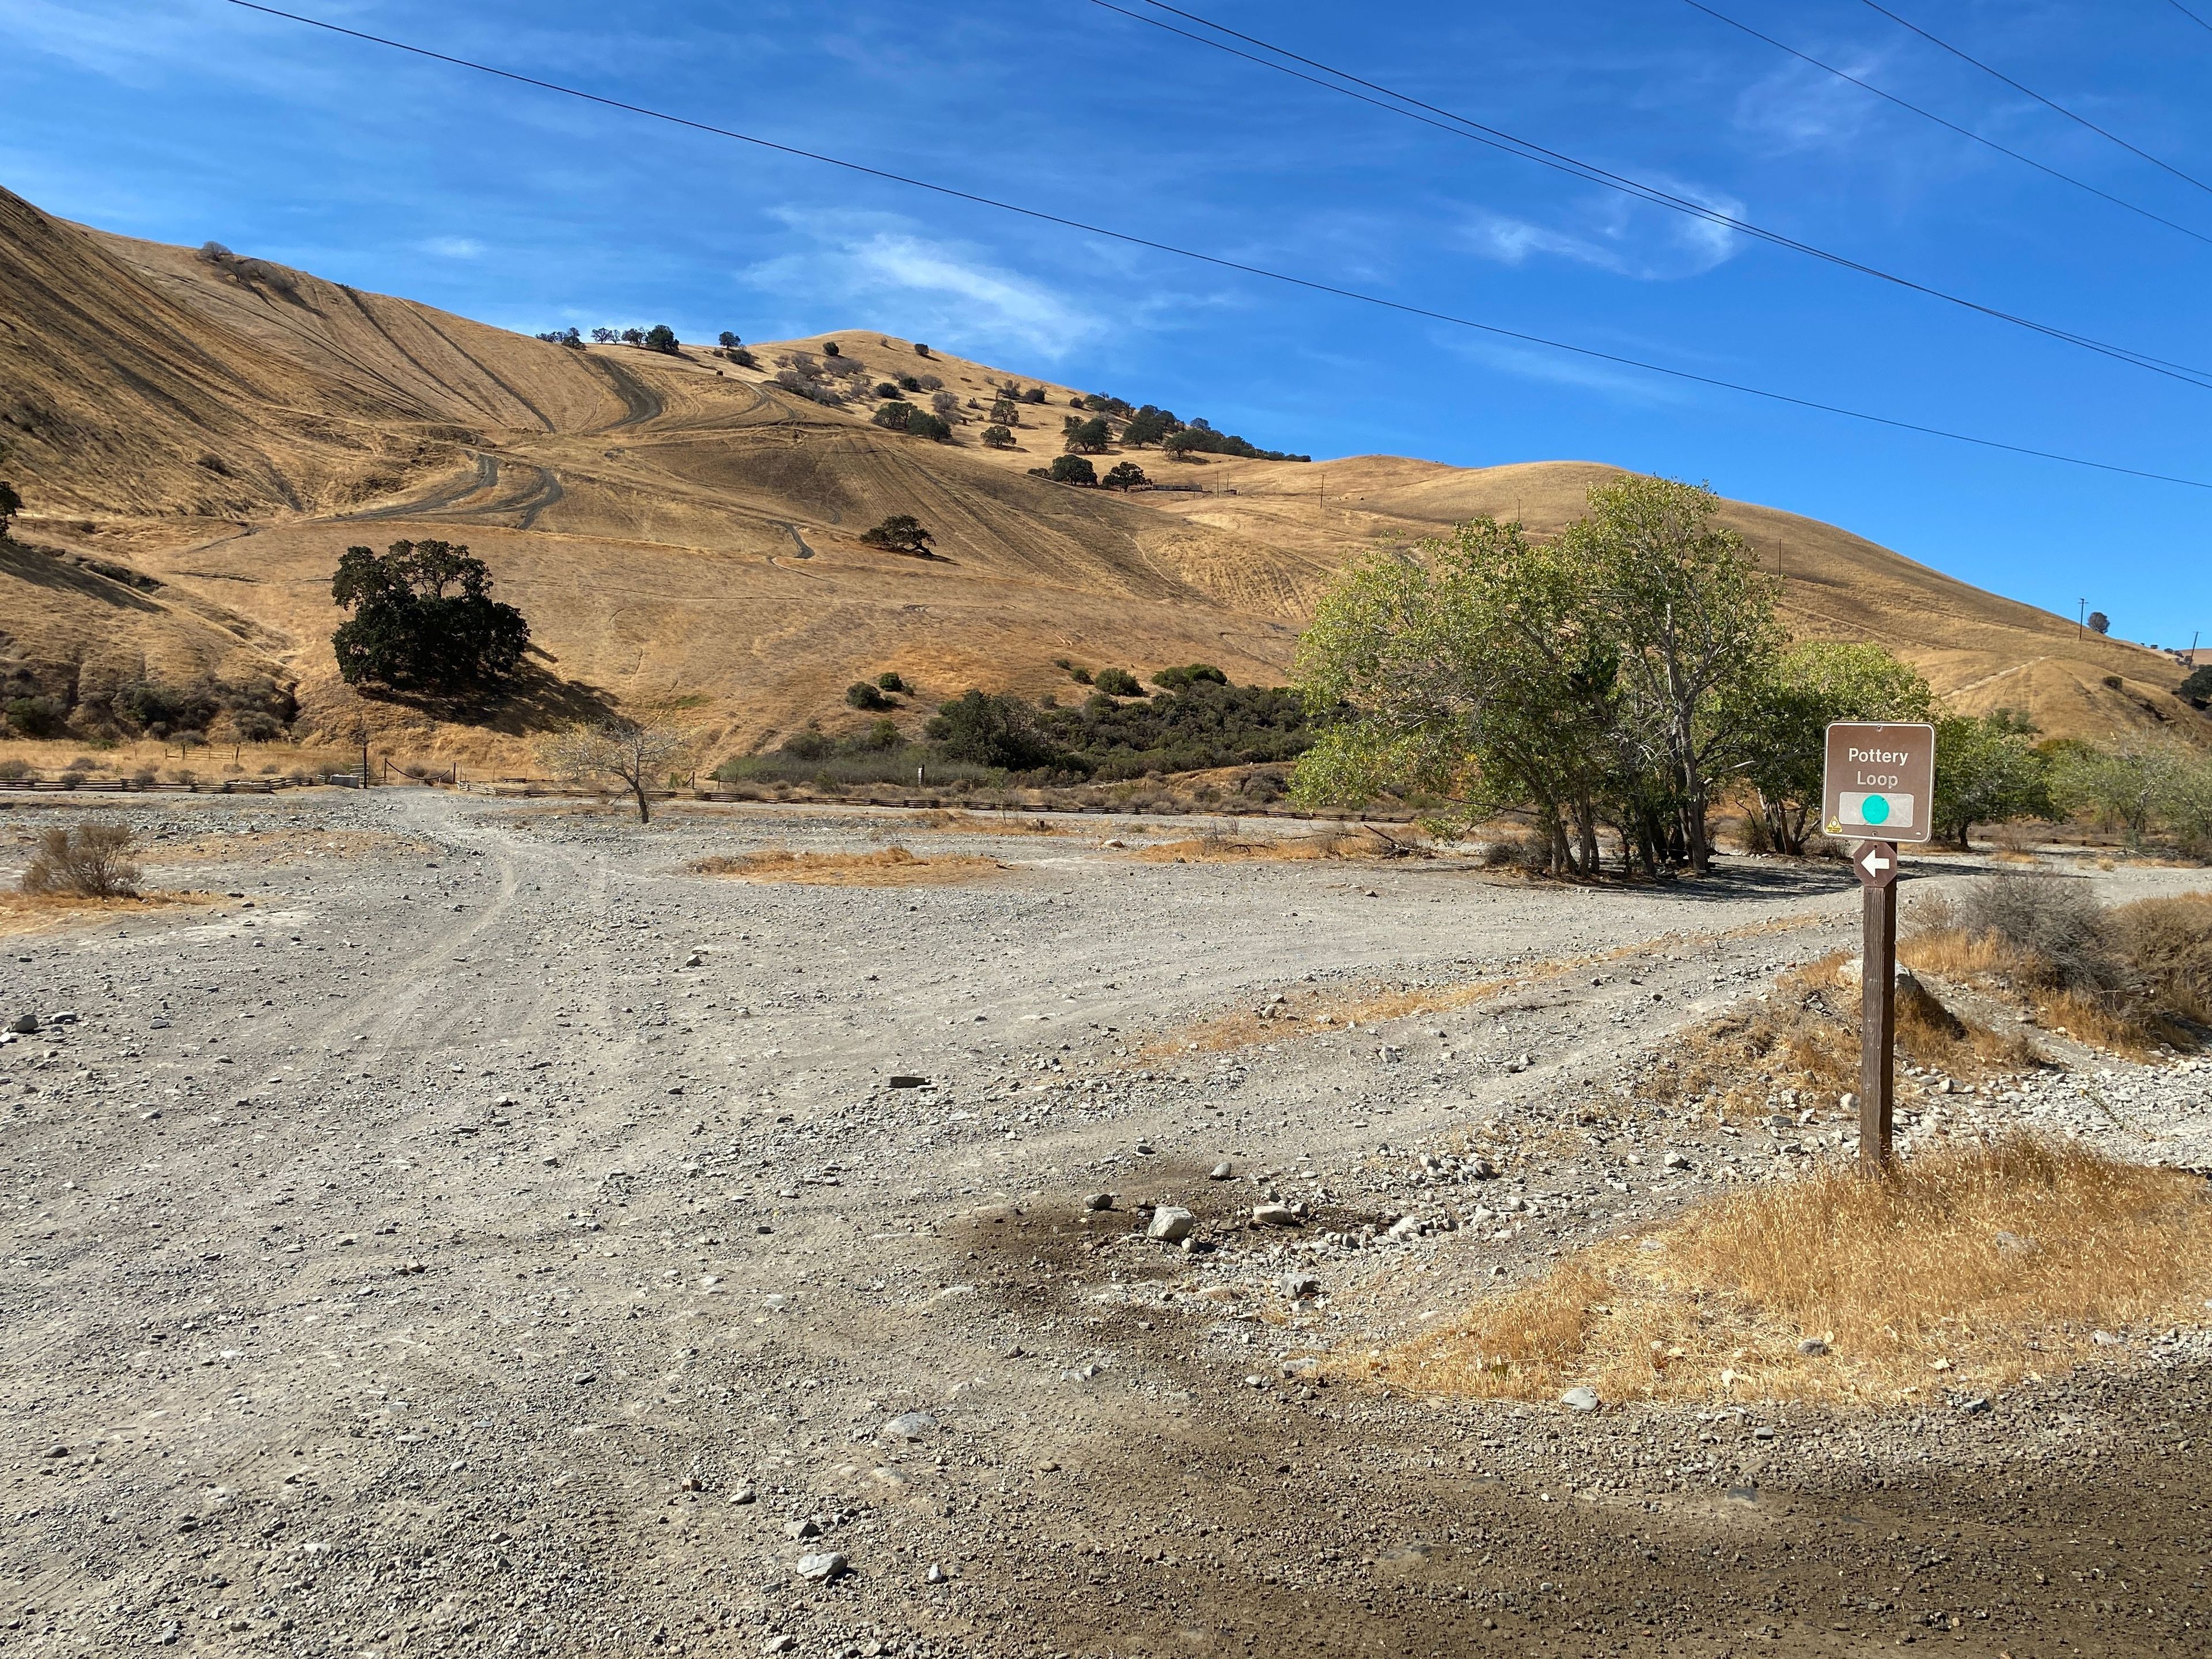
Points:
x=1125, y=475
x=901, y=533
x=424, y=620
x=2100, y=622
x=1149, y=426
x=728, y=339
x=1089, y=437
x=997, y=437
x=661, y=338
x=1067, y=470
x=12, y=503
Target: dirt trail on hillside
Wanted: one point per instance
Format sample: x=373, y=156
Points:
x=495, y=1237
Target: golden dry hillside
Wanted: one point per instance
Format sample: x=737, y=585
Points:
x=198, y=440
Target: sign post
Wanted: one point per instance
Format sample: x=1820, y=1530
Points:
x=1879, y=782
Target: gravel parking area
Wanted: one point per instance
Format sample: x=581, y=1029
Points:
x=468, y=1230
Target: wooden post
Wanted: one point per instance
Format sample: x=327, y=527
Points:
x=1878, y=1025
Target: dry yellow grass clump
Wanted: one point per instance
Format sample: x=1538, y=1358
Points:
x=960, y=823
x=2119, y=979
x=27, y=913
x=1224, y=848
x=1300, y=1013
x=1973, y=1267
x=1805, y=1036
x=891, y=866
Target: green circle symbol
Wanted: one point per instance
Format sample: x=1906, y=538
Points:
x=1874, y=809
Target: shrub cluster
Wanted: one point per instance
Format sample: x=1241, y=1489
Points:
x=1206, y=723
x=89, y=860
x=256, y=710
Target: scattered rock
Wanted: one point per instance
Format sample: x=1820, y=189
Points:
x=1171, y=1225
x=934, y=1576
x=805, y=1527
x=1811, y=1347
x=743, y=1495
x=906, y=1080
x=822, y=1567
x=1297, y=1287
x=1224, y=1170
x=1099, y=1202
x=24, y=1026
x=910, y=1425
x=1274, y=1215
x=1580, y=1399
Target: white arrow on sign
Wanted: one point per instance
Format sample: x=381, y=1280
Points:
x=1876, y=862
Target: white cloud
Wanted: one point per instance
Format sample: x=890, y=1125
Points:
x=907, y=284
x=1619, y=233
x=1622, y=385
x=1798, y=106
x=452, y=247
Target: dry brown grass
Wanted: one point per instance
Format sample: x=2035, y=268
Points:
x=1360, y=841
x=1316, y=1013
x=2160, y=972
x=26, y=913
x=1805, y=1037
x=1973, y=1269
x=891, y=866
x=958, y=822
x=2170, y=942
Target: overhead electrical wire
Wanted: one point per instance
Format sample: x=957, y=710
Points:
x=1496, y=138
x=1952, y=126
x=2078, y=120
x=1215, y=260
x=2190, y=14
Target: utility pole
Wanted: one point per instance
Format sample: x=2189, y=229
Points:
x=2081, y=622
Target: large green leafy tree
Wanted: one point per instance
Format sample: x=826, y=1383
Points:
x=1812, y=686
x=424, y=620
x=1692, y=616
x=1609, y=676
x=1988, y=770
x=1473, y=671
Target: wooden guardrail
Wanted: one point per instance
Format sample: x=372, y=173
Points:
x=133, y=787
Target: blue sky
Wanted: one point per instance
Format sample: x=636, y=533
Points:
x=185, y=119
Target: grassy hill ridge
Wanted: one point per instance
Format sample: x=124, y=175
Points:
x=680, y=526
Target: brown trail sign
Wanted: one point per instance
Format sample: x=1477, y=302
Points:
x=1879, y=782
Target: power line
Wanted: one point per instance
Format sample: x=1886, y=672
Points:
x=1952, y=126
x=1216, y=260
x=2078, y=120
x=1498, y=139
x=2190, y=14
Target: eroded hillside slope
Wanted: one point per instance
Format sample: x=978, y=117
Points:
x=680, y=526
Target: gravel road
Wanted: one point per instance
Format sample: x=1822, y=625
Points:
x=466, y=1231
